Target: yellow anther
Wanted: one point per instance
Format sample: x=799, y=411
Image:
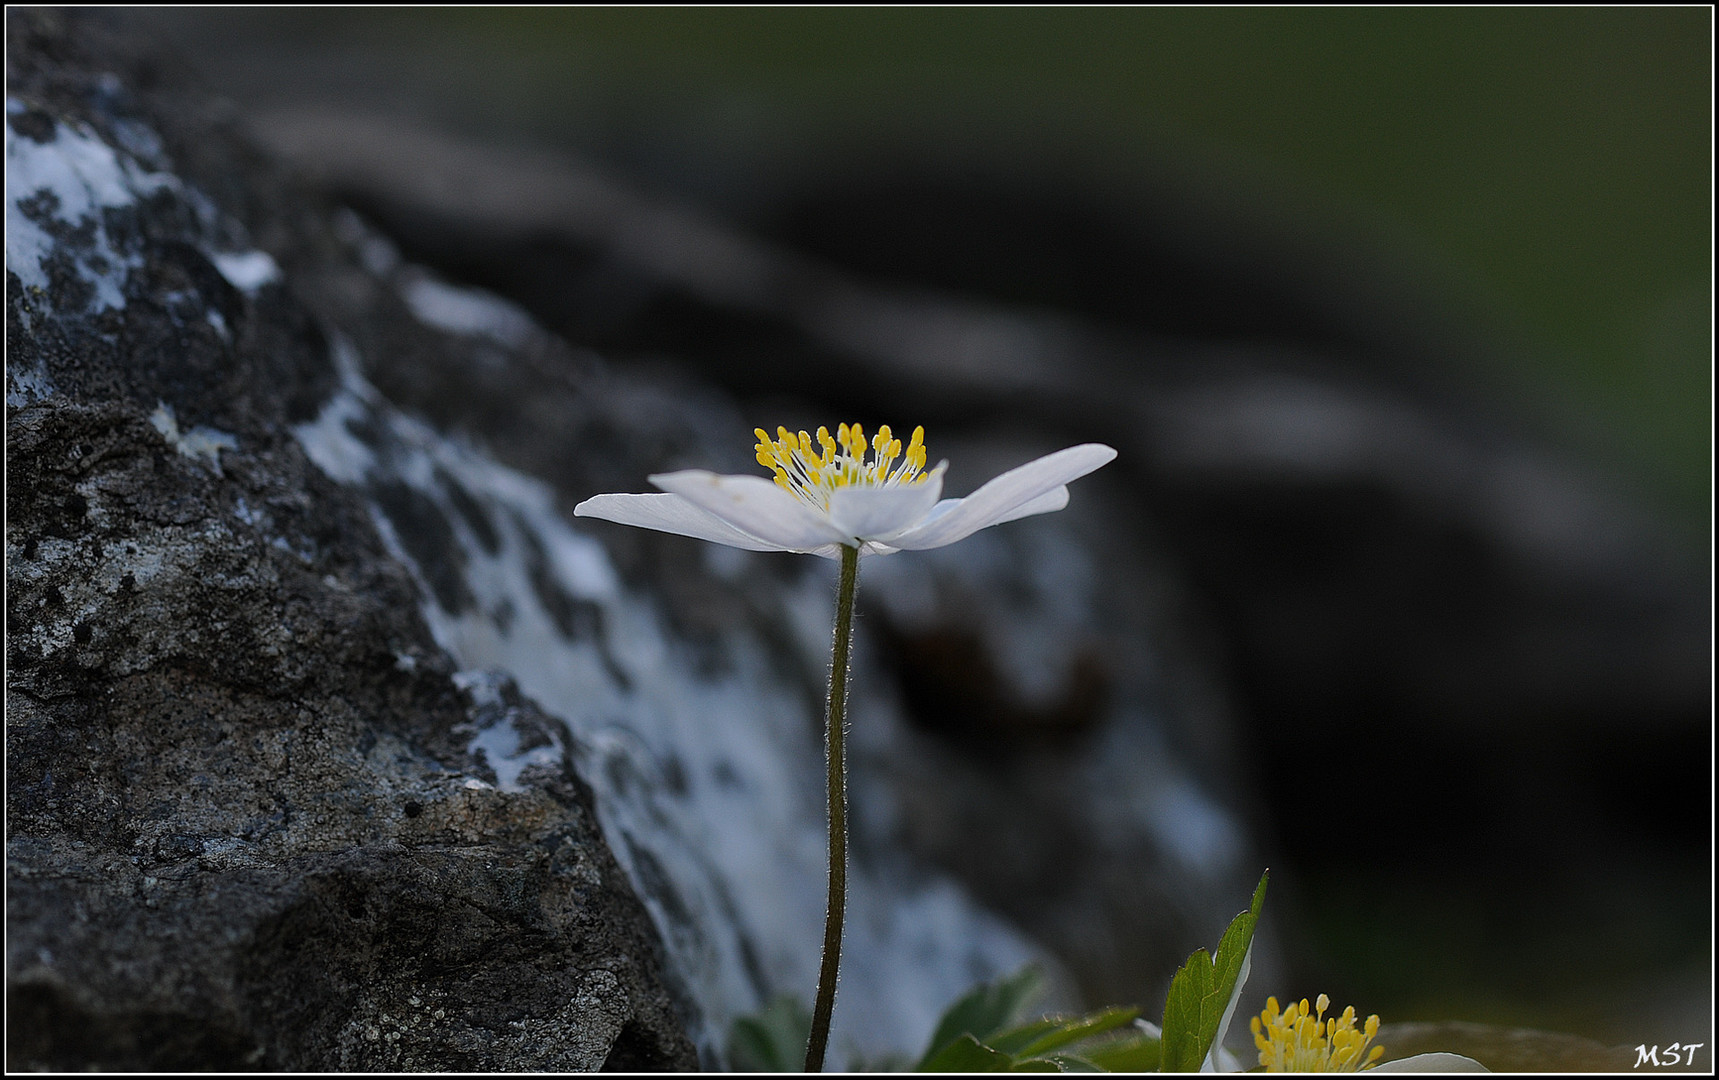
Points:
x=814, y=466
x=1301, y=1039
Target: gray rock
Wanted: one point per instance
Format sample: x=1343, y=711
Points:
x=244, y=829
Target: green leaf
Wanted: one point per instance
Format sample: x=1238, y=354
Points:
x=1135, y=1053
x=1037, y=1065
x=983, y=1011
x=1202, y=995
x=966, y=1054
x=1017, y=1039
x=974, y=1035
x=1074, y=1063
x=772, y=1041
x=1033, y=1040
x=1191, y=986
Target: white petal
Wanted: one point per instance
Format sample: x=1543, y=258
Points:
x=1437, y=1063
x=867, y=512
x=670, y=514
x=755, y=506
x=1225, y=1061
x=1044, y=504
x=1047, y=503
x=1212, y=1062
x=870, y=547
x=998, y=500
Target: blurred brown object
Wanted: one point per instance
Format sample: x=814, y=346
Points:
x=1503, y=1049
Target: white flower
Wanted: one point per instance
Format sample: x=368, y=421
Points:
x=1302, y=1039
x=828, y=494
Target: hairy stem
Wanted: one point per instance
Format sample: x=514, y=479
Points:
x=833, y=733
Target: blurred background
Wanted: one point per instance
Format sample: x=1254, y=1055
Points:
x=1503, y=216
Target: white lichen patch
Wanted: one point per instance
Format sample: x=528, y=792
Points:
x=130, y=565
x=27, y=385
x=247, y=271
x=467, y=312
x=501, y=743
x=199, y=444
x=70, y=179
x=590, y=1022
x=328, y=439
x=501, y=746
x=90, y=578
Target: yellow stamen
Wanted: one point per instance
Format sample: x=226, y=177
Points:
x=1300, y=1039
x=813, y=467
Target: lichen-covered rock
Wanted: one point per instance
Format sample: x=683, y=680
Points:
x=244, y=826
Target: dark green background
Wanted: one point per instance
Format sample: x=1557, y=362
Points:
x=1545, y=173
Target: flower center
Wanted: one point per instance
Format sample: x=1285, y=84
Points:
x=812, y=468
x=1302, y=1040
